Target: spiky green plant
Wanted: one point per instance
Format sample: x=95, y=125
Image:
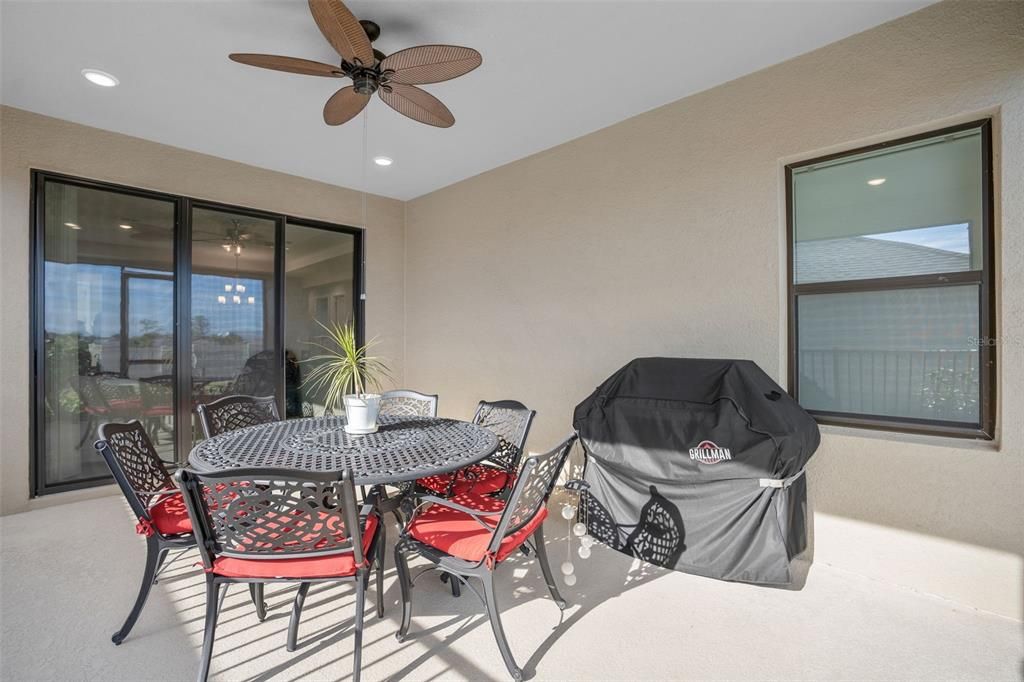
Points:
x=344, y=367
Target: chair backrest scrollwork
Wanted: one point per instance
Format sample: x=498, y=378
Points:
x=510, y=420
x=235, y=412
x=134, y=463
x=533, y=486
x=272, y=513
x=408, y=404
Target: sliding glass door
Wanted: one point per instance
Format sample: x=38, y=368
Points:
x=232, y=299
x=146, y=305
x=322, y=285
x=104, y=317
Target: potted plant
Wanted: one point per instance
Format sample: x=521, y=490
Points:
x=346, y=372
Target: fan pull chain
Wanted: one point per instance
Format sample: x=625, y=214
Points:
x=362, y=181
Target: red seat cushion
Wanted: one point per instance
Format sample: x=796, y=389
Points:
x=331, y=566
x=125, y=404
x=170, y=516
x=480, y=480
x=438, y=483
x=458, y=534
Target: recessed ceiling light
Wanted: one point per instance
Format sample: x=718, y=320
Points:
x=876, y=182
x=101, y=78
x=383, y=160
x=125, y=226
x=73, y=226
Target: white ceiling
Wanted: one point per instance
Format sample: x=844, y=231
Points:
x=552, y=71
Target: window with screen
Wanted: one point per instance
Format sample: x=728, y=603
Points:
x=891, y=305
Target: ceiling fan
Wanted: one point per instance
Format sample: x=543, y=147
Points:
x=393, y=77
x=234, y=238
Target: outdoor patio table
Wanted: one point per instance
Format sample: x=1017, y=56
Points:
x=402, y=449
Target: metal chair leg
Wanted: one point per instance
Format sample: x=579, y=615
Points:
x=357, y=654
x=542, y=559
x=220, y=598
x=256, y=593
x=381, y=543
x=402, y=568
x=154, y=557
x=210, y=628
x=293, y=623
x=160, y=560
x=499, y=632
x=453, y=583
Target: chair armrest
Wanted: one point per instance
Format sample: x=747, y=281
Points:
x=165, y=491
x=476, y=514
x=433, y=499
x=156, y=494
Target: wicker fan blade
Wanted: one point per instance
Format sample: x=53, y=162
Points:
x=343, y=105
x=288, y=64
x=342, y=30
x=417, y=104
x=431, y=63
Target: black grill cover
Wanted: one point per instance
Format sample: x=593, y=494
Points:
x=694, y=464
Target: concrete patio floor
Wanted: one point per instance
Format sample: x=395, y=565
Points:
x=70, y=573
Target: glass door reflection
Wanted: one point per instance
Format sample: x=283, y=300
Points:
x=234, y=351
x=321, y=285
x=107, y=318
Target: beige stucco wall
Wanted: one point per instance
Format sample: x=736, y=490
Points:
x=664, y=235
x=33, y=141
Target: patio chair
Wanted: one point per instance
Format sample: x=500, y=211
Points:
x=471, y=540
x=157, y=395
x=236, y=412
x=405, y=403
x=260, y=526
x=155, y=501
x=510, y=420
x=102, y=398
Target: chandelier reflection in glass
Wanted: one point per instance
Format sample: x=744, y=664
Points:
x=237, y=289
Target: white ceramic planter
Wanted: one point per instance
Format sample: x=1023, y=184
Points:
x=361, y=412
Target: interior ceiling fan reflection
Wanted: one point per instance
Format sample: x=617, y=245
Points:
x=392, y=77
x=233, y=239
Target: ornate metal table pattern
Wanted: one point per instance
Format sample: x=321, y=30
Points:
x=403, y=448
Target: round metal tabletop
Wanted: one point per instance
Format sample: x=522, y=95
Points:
x=402, y=449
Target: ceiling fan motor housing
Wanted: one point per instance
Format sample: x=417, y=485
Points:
x=365, y=82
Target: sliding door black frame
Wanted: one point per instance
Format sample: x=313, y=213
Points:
x=182, y=269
